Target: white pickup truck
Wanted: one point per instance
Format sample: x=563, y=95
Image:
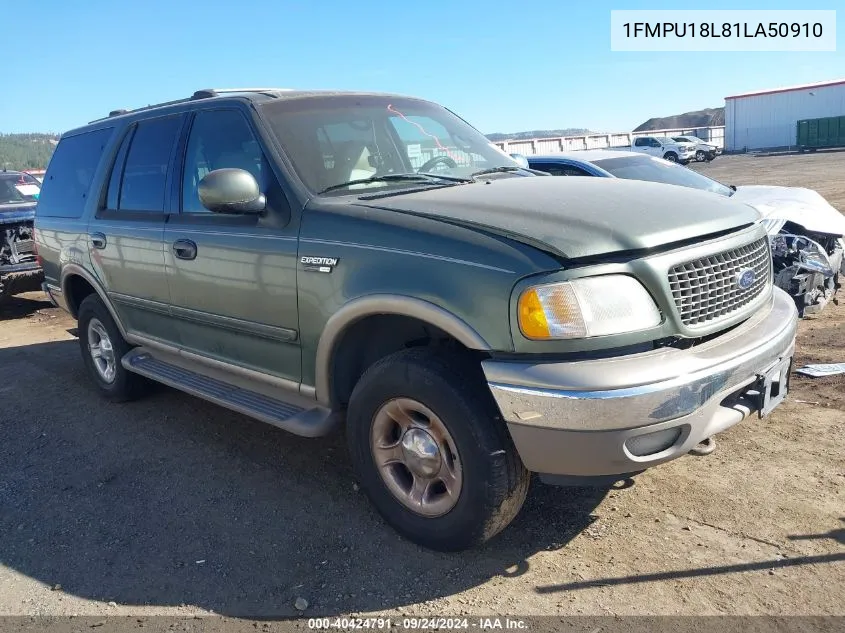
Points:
x=675, y=151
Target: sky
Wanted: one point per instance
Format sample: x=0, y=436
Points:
x=504, y=66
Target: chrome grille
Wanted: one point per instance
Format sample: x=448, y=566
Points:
x=706, y=290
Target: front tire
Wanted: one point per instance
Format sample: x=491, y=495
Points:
x=430, y=451
x=672, y=157
x=700, y=156
x=102, y=348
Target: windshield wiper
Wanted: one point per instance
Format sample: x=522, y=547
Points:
x=415, y=177
x=494, y=170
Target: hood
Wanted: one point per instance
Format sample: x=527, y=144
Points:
x=577, y=217
x=779, y=205
x=17, y=212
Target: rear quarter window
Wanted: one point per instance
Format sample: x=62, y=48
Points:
x=70, y=173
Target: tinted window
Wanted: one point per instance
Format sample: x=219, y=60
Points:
x=220, y=139
x=659, y=170
x=70, y=173
x=145, y=173
x=641, y=142
x=117, y=171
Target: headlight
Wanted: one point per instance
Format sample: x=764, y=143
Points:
x=592, y=306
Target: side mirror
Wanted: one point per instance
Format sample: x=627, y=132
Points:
x=521, y=160
x=231, y=190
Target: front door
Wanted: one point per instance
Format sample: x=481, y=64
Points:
x=126, y=236
x=232, y=278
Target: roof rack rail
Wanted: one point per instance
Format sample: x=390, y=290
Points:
x=121, y=112
x=213, y=92
x=199, y=94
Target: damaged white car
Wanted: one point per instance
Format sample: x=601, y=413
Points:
x=807, y=238
x=807, y=234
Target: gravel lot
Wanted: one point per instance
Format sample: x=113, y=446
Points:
x=171, y=505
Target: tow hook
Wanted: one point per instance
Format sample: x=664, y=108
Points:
x=705, y=447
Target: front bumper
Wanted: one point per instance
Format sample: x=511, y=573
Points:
x=594, y=418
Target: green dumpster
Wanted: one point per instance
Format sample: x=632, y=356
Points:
x=813, y=134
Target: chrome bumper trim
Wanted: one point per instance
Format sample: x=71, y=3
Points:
x=642, y=389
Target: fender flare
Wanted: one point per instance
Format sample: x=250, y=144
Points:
x=69, y=270
x=371, y=305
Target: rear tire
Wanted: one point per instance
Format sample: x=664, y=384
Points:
x=480, y=483
x=700, y=156
x=102, y=348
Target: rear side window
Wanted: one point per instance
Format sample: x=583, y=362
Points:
x=70, y=173
x=144, y=178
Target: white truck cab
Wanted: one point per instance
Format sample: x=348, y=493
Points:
x=677, y=152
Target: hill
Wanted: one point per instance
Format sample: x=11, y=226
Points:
x=26, y=151
x=697, y=118
x=517, y=136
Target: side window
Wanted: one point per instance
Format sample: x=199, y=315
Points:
x=144, y=178
x=70, y=173
x=641, y=142
x=655, y=142
x=220, y=139
x=113, y=196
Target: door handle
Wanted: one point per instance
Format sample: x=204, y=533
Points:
x=185, y=249
x=98, y=240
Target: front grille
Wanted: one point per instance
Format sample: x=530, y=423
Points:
x=707, y=290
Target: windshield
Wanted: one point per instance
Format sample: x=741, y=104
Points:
x=337, y=139
x=659, y=170
x=18, y=188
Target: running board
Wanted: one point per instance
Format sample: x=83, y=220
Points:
x=307, y=421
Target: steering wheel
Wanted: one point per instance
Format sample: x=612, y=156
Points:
x=429, y=164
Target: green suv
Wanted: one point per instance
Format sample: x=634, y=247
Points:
x=316, y=258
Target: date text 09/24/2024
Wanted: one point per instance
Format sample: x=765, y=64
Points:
x=726, y=29
x=418, y=623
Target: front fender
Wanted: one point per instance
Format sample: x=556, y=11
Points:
x=374, y=304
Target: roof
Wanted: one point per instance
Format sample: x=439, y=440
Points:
x=820, y=84
x=252, y=94
x=585, y=155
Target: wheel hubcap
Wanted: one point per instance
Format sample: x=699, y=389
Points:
x=416, y=457
x=420, y=453
x=101, y=350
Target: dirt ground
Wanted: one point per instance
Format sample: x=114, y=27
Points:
x=171, y=505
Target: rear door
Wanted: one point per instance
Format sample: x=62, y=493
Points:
x=126, y=236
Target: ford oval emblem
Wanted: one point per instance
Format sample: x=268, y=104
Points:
x=745, y=279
